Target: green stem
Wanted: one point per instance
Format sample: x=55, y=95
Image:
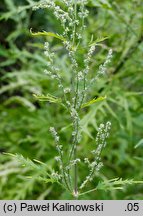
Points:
x=74, y=28
x=83, y=94
x=81, y=194
x=75, y=173
x=64, y=171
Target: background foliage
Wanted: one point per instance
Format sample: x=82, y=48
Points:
x=25, y=123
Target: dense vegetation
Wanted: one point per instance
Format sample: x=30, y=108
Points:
x=25, y=122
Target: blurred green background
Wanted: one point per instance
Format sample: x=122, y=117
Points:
x=24, y=122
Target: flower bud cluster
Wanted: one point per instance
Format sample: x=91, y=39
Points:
x=75, y=120
x=56, y=176
x=71, y=53
x=60, y=14
x=96, y=165
x=48, y=53
x=103, y=67
x=72, y=163
x=54, y=134
x=56, y=138
x=87, y=60
x=52, y=71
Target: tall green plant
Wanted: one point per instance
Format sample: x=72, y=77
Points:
x=72, y=15
x=74, y=99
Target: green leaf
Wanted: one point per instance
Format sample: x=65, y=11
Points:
x=140, y=143
x=111, y=111
x=49, y=98
x=93, y=101
x=12, y=86
x=44, y=33
x=113, y=184
x=139, y=158
x=26, y=162
x=41, y=169
x=101, y=3
x=98, y=40
x=12, y=13
x=20, y=100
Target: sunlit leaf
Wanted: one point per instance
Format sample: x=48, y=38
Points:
x=47, y=34
x=140, y=143
x=98, y=40
x=95, y=100
x=48, y=97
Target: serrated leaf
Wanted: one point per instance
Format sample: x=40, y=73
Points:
x=113, y=184
x=116, y=184
x=95, y=100
x=26, y=162
x=44, y=33
x=49, y=98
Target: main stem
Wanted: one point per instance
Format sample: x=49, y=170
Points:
x=75, y=175
x=75, y=144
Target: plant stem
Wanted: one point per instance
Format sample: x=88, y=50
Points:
x=75, y=174
x=75, y=105
x=75, y=15
x=64, y=176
